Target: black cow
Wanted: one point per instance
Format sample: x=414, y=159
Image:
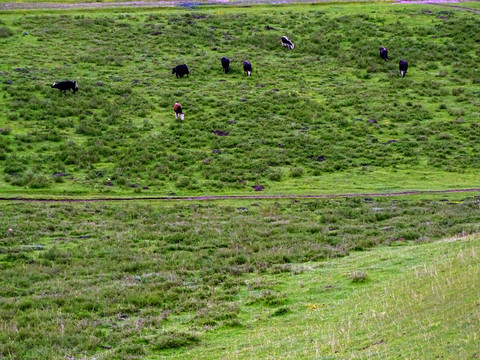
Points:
x=287, y=43
x=63, y=86
x=247, y=67
x=226, y=64
x=384, y=53
x=403, y=66
x=180, y=70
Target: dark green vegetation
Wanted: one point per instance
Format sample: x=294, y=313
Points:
x=132, y=279
x=329, y=108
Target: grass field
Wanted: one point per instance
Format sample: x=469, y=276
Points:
x=408, y=307
x=339, y=278
x=330, y=112
x=133, y=280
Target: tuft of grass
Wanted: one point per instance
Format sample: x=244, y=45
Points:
x=172, y=340
x=5, y=32
x=358, y=276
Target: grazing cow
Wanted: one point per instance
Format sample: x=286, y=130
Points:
x=178, y=111
x=403, y=66
x=247, y=67
x=384, y=53
x=180, y=70
x=63, y=86
x=226, y=64
x=287, y=43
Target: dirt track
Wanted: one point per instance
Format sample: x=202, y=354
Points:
x=41, y=6
x=169, y=3
x=140, y=3
x=236, y=197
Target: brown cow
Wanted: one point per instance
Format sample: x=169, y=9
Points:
x=178, y=111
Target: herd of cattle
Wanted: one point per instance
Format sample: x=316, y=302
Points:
x=181, y=70
x=403, y=65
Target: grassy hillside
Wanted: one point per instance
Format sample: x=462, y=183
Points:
x=240, y=279
x=138, y=279
x=419, y=302
x=329, y=116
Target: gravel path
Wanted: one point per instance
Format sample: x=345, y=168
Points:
x=237, y=197
x=43, y=5
x=153, y=3
x=170, y=3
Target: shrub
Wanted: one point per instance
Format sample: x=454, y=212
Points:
x=296, y=172
x=183, y=182
x=5, y=32
x=31, y=179
x=14, y=165
x=6, y=130
x=457, y=91
x=281, y=311
x=275, y=175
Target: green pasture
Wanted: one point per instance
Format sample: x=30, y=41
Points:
x=239, y=279
x=329, y=116
x=339, y=278
x=390, y=303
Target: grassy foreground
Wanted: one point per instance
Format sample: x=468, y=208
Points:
x=414, y=302
x=329, y=116
x=136, y=280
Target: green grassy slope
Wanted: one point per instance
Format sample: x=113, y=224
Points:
x=118, y=133
x=416, y=302
x=136, y=279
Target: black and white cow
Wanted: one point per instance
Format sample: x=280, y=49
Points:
x=226, y=64
x=384, y=53
x=180, y=70
x=177, y=108
x=403, y=66
x=247, y=67
x=287, y=43
x=63, y=86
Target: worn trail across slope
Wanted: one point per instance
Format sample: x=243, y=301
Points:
x=236, y=197
x=169, y=3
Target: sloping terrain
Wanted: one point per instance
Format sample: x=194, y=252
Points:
x=391, y=303
x=358, y=276
x=329, y=116
x=130, y=280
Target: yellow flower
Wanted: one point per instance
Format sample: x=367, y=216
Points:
x=314, y=306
